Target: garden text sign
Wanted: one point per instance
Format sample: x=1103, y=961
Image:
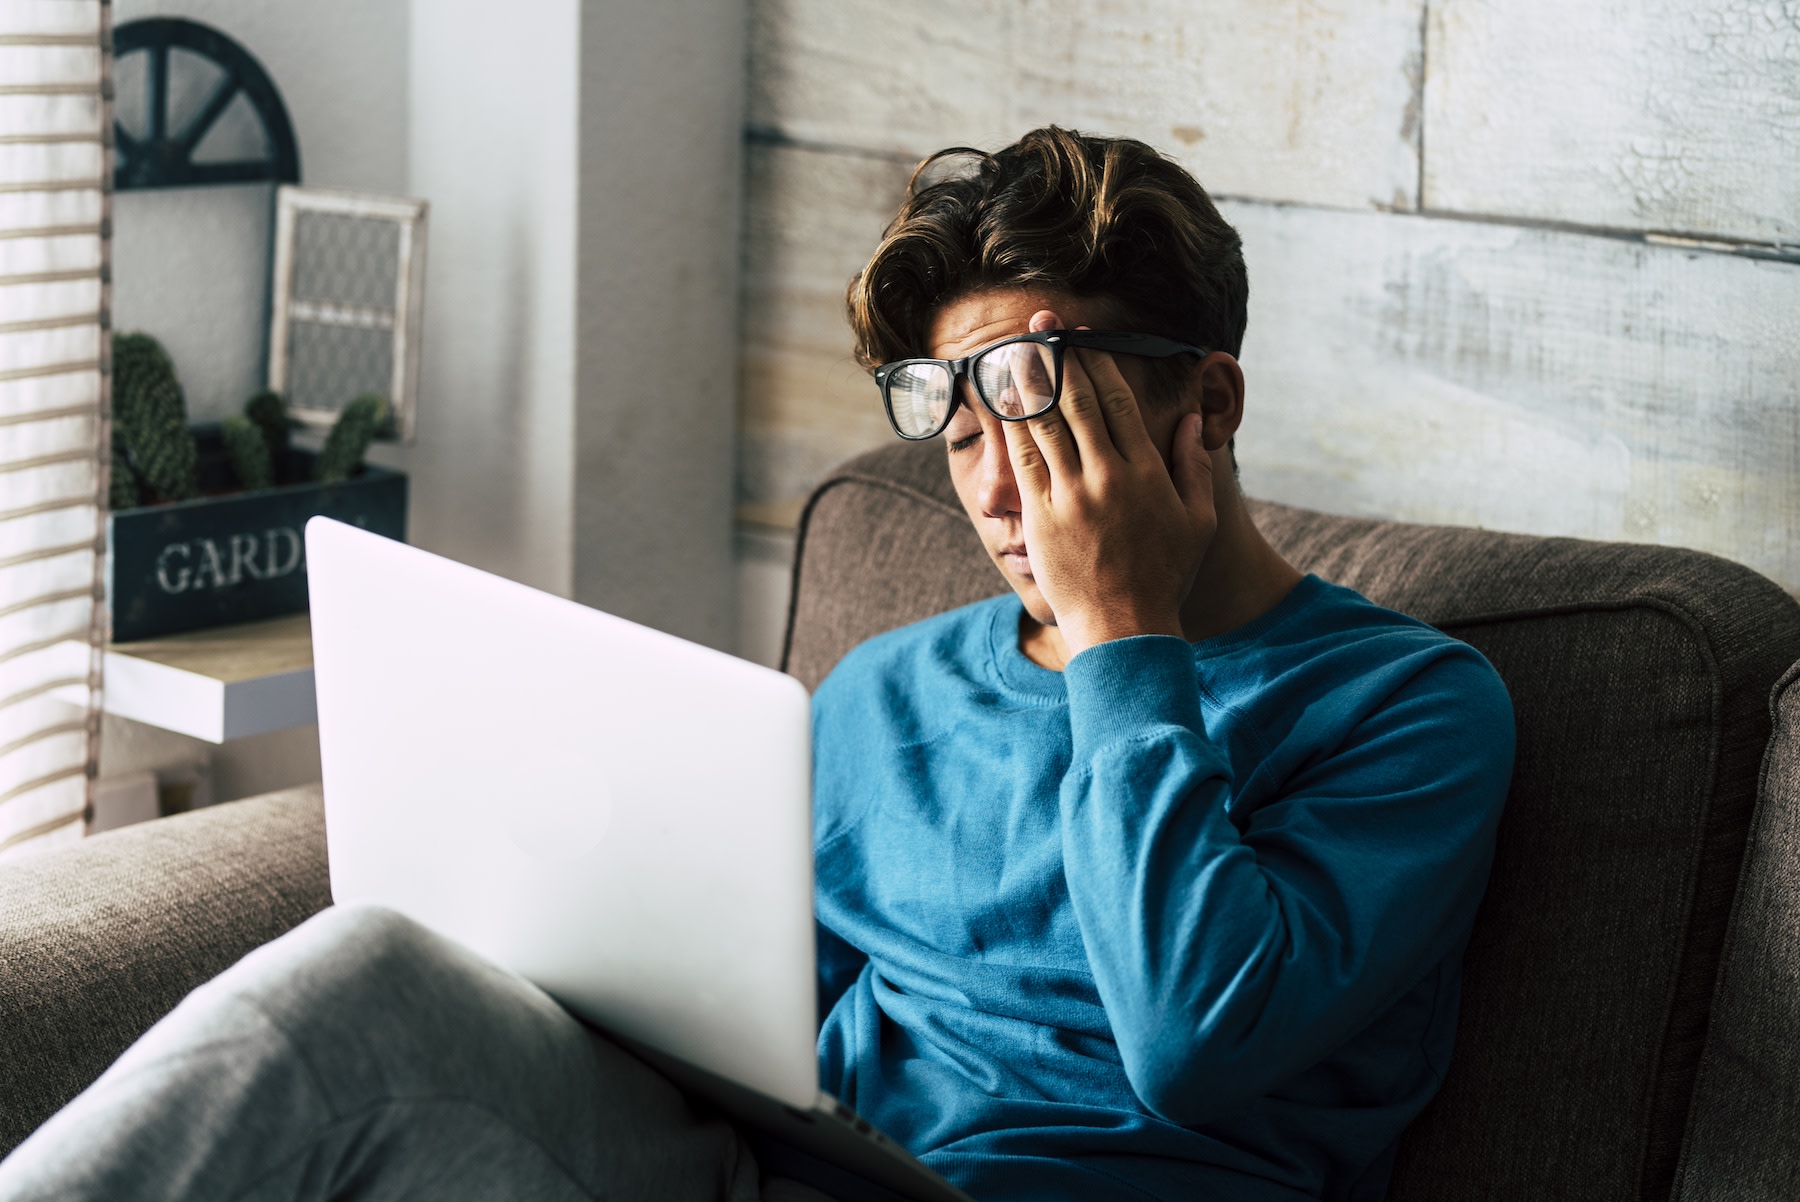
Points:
x=200, y=563
x=215, y=561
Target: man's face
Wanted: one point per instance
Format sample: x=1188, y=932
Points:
x=975, y=442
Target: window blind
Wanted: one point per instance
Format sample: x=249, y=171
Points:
x=55, y=136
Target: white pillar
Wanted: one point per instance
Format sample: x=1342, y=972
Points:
x=661, y=150
x=578, y=400
x=493, y=104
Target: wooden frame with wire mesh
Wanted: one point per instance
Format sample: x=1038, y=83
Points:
x=346, y=305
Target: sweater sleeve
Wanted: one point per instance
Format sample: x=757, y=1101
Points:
x=1229, y=961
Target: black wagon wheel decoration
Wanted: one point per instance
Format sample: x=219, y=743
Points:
x=161, y=157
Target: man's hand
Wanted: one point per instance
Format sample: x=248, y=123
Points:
x=1114, y=534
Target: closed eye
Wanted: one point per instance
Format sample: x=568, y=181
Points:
x=963, y=444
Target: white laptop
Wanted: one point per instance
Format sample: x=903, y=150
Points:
x=616, y=814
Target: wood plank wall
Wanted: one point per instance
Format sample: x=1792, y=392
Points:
x=1532, y=266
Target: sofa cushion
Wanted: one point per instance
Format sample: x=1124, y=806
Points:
x=100, y=939
x=1744, y=1139
x=1638, y=676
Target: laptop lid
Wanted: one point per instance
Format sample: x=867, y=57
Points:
x=613, y=813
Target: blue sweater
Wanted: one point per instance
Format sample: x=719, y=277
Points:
x=1184, y=921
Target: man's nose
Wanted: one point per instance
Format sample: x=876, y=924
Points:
x=997, y=490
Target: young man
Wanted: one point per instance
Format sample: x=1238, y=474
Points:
x=1148, y=879
x=1152, y=878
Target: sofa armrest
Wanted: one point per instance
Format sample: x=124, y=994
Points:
x=1742, y=1143
x=99, y=940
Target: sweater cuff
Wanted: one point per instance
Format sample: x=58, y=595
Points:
x=1129, y=688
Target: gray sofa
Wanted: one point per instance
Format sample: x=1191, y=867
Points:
x=1631, y=1021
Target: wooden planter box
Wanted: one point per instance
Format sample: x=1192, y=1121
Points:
x=235, y=557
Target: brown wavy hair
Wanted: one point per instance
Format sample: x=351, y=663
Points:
x=1106, y=218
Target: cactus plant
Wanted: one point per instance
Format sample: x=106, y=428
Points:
x=150, y=419
x=356, y=427
x=270, y=415
x=122, y=493
x=246, y=451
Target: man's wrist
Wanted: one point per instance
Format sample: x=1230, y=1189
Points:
x=1080, y=633
x=1122, y=689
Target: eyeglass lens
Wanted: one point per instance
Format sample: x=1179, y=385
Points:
x=919, y=398
x=1017, y=379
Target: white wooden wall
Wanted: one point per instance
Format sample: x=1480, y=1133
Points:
x=1532, y=266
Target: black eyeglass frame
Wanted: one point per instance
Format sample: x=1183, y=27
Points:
x=1151, y=346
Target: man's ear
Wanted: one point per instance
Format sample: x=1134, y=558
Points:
x=1220, y=385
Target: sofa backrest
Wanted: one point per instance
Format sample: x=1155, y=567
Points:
x=1743, y=1143
x=1639, y=677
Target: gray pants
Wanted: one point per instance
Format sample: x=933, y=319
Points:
x=361, y=1056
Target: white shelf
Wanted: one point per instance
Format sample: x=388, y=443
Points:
x=217, y=684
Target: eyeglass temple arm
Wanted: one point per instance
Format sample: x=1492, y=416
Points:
x=1132, y=344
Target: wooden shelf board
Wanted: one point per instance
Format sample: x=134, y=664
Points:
x=218, y=684
x=231, y=653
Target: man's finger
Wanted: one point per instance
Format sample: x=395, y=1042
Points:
x=1191, y=467
x=1118, y=406
x=1055, y=441
x=1030, y=471
x=1082, y=406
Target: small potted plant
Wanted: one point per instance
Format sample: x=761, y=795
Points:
x=206, y=524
